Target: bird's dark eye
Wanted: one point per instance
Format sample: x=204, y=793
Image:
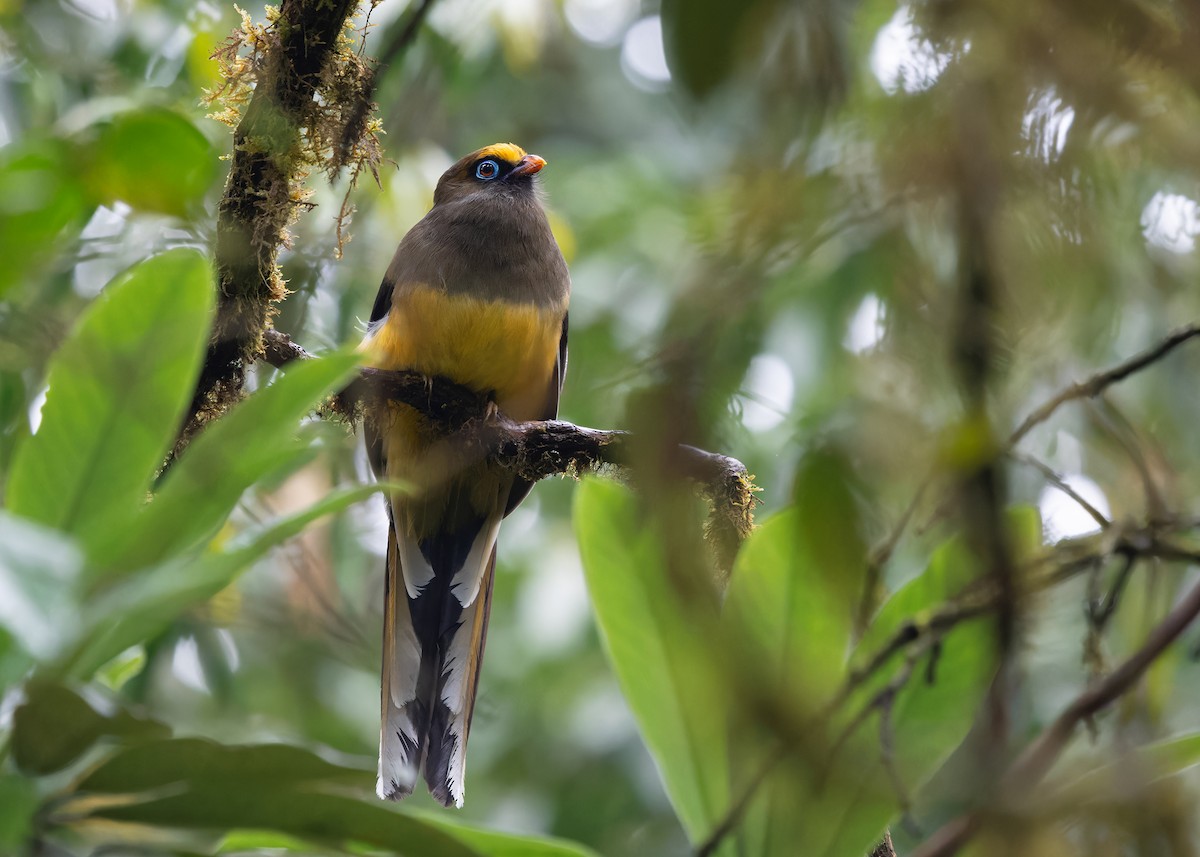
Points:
x=487, y=170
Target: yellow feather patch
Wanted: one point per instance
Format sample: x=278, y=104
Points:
x=508, y=152
x=503, y=347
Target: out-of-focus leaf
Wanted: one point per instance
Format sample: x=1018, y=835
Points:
x=793, y=621
x=658, y=651
x=929, y=716
x=950, y=569
x=122, y=668
x=273, y=805
x=146, y=602
x=39, y=197
x=493, y=844
x=242, y=841
x=702, y=38
x=201, y=763
x=117, y=389
x=54, y=726
x=39, y=569
x=828, y=518
x=255, y=439
x=154, y=160
x=1142, y=765
x=12, y=400
x=18, y=801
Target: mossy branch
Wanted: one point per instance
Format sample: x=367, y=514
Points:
x=535, y=450
x=298, y=73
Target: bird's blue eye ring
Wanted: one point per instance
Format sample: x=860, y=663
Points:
x=487, y=170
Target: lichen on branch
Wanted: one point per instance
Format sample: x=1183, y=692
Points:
x=293, y=90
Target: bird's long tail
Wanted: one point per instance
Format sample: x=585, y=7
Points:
x=438, y=596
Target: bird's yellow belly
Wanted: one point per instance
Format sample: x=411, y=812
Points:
x=506, y=348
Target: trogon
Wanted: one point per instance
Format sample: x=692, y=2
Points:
x=476, y=293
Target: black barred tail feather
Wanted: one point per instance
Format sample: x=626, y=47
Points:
x=438, y=598
x=450, y=723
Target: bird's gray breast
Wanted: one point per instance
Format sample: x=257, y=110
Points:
x=491, y=246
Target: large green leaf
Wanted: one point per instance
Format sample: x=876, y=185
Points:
x=199, y=762
x=950, y=569
x=218, y=805
x=278, y=789
x=789, y=613
x=144, y=603
x=659, y=652
x=829, y=807
x=930, y=714
x=257, y=438
x=54, y=726
x=117, y=389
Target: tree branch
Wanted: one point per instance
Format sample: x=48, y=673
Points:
x=1088, y=388
x=296, y=103
x=1032, y=765
x=1098, y=383
x=535, y=450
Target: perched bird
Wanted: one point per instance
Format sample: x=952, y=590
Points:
x=477, y=293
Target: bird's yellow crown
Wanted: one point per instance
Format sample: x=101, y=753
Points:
x=507, y=152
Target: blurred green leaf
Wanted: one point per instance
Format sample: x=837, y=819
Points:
x=950, y=569
x=54, y=726
x=829, y=523
x=662, y=661
x=493, y=844
x=790, y=608
x=199, y=762
x=240, y=841
x=274, y=805
x=791, y=619
x=1133, y=767
x=18, y=802
x=930, y=714
x=257, y=438
x=39, y=197
x=154, y=160
x=701, y=38
x=39, y=570
x=144, y=603
x=254, y=786
x=122, y=668
x=117, y=389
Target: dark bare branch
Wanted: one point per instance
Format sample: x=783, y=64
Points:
x=1037, y=759
x=1061, y=484
x=1101, y=381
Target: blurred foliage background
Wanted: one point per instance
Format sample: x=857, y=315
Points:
x=761, y=204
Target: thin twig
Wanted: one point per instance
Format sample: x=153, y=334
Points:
x=1061, y=484
x=1089, y=388
x=1101, y=381
x=1037, y=759
x=881, y=554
